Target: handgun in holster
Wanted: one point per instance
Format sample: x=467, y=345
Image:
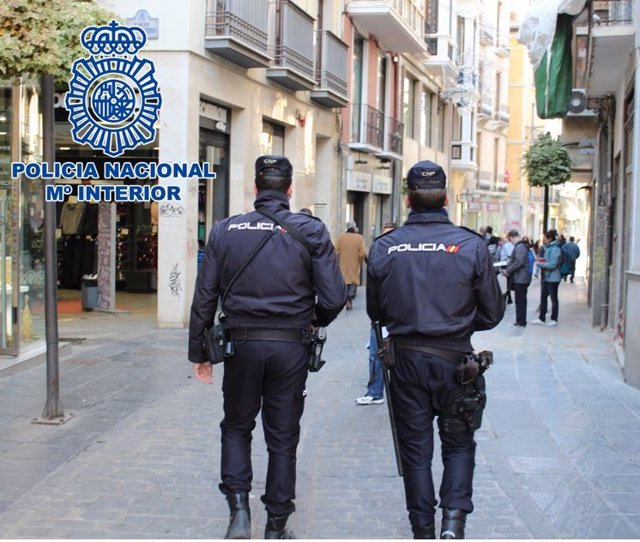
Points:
x=317, y=338
x=465, y=412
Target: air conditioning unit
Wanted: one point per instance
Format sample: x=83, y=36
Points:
x=578, y=104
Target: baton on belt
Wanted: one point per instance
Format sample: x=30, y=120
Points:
x=385, y=358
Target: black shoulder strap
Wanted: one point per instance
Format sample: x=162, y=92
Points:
x=288, y=228
x=244, y=265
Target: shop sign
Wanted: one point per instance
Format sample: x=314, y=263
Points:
x=382, y=185
x=359, y=181
x=492, y=207
x=215, y=113
x=474, y=206
x=146, y=22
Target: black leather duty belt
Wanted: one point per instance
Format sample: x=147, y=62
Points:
x=242, y=335
x=449, y=355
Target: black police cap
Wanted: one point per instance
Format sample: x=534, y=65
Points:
x=273, y=166
x=426, y=175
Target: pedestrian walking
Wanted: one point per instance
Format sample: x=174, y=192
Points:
x=432, y=284
x=270, y=299
x=550, y=281
x=518, y=274
x=375, y=387
x=351, y=252
x=572, y=253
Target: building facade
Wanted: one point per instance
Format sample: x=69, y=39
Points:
x=354, y=92
x=240, y=78
x=348, y=90
x=524, y=204
x=606, y=70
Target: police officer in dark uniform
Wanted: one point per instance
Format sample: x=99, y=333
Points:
x=290, y=285
x=432, y=284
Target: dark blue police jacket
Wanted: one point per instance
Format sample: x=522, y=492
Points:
x=279, y=287
x=433, y=280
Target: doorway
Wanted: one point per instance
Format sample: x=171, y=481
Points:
x=213, y=195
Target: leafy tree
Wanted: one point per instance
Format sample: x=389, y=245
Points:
x=546, y=163
x=40, y=37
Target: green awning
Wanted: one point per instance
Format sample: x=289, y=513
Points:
x=554, y=75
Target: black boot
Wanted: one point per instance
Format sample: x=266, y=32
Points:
x=421, y=533
x=453, y=522
x=275, y=527
x=239, y=517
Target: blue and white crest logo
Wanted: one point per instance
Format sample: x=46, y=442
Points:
x=113, y=99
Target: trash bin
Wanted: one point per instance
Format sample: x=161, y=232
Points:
x=89, y=293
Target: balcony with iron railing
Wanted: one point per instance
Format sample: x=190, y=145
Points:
x=294, y=49
x=503, y=47
x=331, y=71
x=367, y=129
x=398, y=25
x=487, y=33
x=238, y=32
x=502, y=113
x=611, y=41
x=486, y=106
x=485, y=180
x=393, y=137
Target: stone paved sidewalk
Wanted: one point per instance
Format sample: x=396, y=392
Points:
x=558, y=454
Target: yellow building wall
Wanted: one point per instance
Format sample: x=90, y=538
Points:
x=523, y=124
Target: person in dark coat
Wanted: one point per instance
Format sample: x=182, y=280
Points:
x=571, y=252
x=289, y=286
x=432, y=284
x=517, y=272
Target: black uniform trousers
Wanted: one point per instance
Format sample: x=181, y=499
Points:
x=270, y=375
x=421, y=384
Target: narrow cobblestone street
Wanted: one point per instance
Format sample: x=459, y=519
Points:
x=558, y=453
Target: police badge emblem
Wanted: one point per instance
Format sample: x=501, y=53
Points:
x=113, y=98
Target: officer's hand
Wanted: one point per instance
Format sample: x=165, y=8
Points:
x=203, y=372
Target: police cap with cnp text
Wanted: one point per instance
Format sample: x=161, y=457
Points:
x=426, y=175
x=273, y=166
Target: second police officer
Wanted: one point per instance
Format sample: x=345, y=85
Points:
x=291, y=282
x=432, y=284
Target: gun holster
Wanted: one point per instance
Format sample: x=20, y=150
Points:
x=467, y=370
x=217, y=342
x=386, y=353
x=465, y=413
x=317, y=338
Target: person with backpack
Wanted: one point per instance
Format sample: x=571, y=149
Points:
x=550, y=266
x=571, y=252
x=518, y=272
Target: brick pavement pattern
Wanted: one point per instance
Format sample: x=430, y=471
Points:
x=558, y=454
